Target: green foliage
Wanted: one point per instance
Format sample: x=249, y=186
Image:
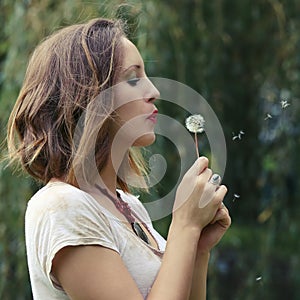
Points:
x=13, y=194
x=242, y=56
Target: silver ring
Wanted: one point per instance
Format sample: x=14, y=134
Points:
x=215, y=179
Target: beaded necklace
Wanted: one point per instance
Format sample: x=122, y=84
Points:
x=125, y=210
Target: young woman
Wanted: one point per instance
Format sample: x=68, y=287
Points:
x=85, y=108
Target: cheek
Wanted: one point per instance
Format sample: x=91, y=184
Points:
x=124, y=96
x=131, y=112
x=136, y=131
x=126, y=112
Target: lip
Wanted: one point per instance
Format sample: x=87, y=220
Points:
x=153, y=116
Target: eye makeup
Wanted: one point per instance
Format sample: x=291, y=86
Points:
x=133, y=81
x=133, y=78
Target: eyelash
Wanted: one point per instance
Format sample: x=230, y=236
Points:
x=133, y=81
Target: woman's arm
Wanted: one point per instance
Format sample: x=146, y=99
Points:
x=95, y=272
x=176, y=273
x=210, y=236
x=189, y=237
x=198, y=291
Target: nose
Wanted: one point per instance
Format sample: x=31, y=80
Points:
x=152, y=93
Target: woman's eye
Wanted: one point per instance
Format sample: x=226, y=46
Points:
x=133, y=81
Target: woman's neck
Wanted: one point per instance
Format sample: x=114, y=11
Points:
x=109, y=177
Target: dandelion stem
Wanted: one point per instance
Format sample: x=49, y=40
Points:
x=196, y=144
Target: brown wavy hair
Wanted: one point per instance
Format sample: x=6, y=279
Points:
x=64, y=78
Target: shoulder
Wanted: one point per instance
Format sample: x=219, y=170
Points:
x=66, y=215
x=63, y=200
x=58, y=194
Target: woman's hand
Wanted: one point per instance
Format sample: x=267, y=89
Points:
x=197, y=199
x=213, y=232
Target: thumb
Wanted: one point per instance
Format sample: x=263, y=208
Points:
x=222, y=218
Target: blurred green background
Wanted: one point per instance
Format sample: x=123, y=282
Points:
x=243, y=57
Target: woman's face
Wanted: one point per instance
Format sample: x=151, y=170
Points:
x=134, y=98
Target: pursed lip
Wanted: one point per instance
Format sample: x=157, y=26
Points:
x=153, y=116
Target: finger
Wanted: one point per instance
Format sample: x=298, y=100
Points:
x=217, y=216
x=220, y=194
x=207, y=195
x=209, y=191
x=215, y=179
x=222, y=217
x=199, y=166
x=205, y=175
x=223, y=206
x=225, y=221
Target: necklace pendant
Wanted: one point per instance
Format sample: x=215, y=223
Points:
x=138, y=230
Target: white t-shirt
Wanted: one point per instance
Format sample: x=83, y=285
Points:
x=61, y=215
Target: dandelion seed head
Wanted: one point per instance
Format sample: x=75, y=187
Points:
x=195, y=123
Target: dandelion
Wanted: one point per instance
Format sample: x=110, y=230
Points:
x=238, y=136
x=284, y=104
x=195, y=124
x=268, y=116
x=235, y=196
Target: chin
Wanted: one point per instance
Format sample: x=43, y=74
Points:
x=145, y=140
